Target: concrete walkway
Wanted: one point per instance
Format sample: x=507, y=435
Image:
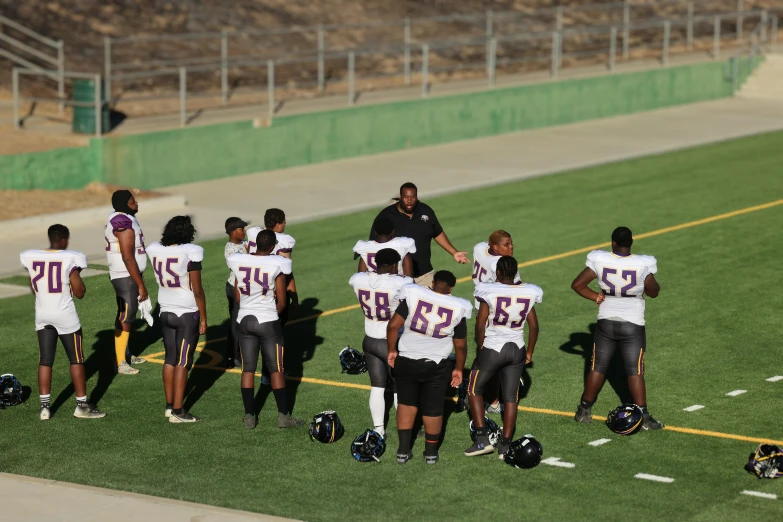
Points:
x=315, y=191
x=30, y=500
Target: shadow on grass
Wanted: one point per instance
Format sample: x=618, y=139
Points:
x=206, y=370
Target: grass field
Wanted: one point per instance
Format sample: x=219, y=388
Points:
x=715, y=328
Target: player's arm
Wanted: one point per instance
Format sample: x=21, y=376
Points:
x=201, y=298
x=460, y=340
x=77, y=283
x=651, y=286
x=362, y=266
x=443, y=240
x=407, y=265
x=393, y=331
x=127, y=241
x=532, y=335
x=580, y=286
x=481, y=324
x=237, y=296
x=280, y=290
x=291, y=292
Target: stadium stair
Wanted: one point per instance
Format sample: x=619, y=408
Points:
x=767, y=81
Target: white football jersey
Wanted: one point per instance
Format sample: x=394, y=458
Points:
x=379, y=295
x=171, y=264
x=367, y=250
x=508, y=309
x=119, y=221
x=256, y=282
x=231, y=249
x=485, y=266
x=430, y=324
x=50, y=274
x=622, y=282
x=285, y=243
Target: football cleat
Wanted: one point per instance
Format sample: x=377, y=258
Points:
x=167, y=412
x=137, y=360
x=493, y=431
x=489, y=408
x=402, y=458
x=431, y=459
x=250, y=421
x=126, y=369
x=524, y=453
x=368, y=447
x=326, y=427
x=45, y=413
x=184, y=417
x=627, y=419
x=482, y=446
x=584, y=415
x=286, y=421
x=352, y=361
x=87, y=411
x=650, y=423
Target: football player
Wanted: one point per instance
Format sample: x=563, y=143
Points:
x=383, y=230
x=55, y=277
x=505, y=308
x=624, y=280
x=235, y=228
x=260, y=292
x=127, y=260
x=485, y=260
x=432, y=321
x=183, y=308
x=379, y=295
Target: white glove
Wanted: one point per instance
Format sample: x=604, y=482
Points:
x=146, y=310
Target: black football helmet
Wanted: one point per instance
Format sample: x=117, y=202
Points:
x=524, y=453
x=626, y=419
x=10, y=390
x=766, y=461
x=368, y=447
x=493, y=431
x=326, y=427
x=352, y=361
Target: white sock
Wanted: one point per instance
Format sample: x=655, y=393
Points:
x=377, y=407
x=395, y=401
x=45, y=399
x=81, y=399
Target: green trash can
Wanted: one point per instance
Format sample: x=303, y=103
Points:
x=83, y=116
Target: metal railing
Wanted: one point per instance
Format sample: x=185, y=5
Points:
x=22, y=53
x=757, y=44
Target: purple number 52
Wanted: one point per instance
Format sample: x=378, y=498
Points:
x=628, y=275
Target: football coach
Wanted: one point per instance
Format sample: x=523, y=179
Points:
x=418, y=221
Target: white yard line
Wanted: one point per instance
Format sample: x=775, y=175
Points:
x=775, y=378
x=599, y=442
x=693, y=408
x=654, y=478
x=759, y=494
x=736, y=392
x=555, y=461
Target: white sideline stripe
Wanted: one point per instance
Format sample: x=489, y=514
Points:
x=654, y=478
x=599, y=442
x=770, y=496
x=694, y=407
x=775, y=378
x=555, y=461
x=736, y=392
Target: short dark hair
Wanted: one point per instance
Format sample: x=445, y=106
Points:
x=444, y=276
x=272, y=217
x=623, y=237
x=58, y=233
x=383, y=226
x=387, y=257
x=178, y=231
x=266, y=240
x=408, y=185
x=507, y=267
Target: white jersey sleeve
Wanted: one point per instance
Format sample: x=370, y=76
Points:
x=256, y=276
x=431, y=321
x=252, y=234
x=379, y=296
x=50, y=276
x=119, y=221
x=621, y=279
x=285, y=244
x=509, y=306
x=172, y=266
x=367, y=250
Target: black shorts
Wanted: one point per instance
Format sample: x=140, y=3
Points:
x=47, y=345
x=180, y=337
x=509, y=363
x=423, y=384
x=127, y=299
x=268, y=337
x=376, y=353
x=630, y=338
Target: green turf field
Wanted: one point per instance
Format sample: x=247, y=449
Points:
x=715, y=328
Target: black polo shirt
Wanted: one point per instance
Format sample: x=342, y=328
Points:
x=422, y=227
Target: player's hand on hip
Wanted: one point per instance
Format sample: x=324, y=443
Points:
x=456, y=378
x=599, y=299
x=202, y=326
x=528, y=358
x=143, y=294
x=391, y=358
x=461, y=257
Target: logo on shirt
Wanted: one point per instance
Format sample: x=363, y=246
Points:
x=425, y=218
